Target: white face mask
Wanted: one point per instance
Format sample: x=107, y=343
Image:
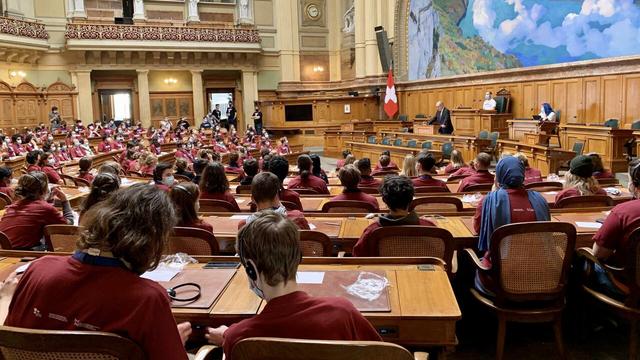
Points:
x=19, y=141
x=169, y=180
x=487, y=97
x=51, y=161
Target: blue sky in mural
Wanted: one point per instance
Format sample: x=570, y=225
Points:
x=541, y=32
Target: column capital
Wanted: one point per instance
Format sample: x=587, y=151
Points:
x=197, y=71
x=80, y=71
x=142, y=71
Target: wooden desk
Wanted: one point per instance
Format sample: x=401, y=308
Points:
x=423, y=312
x=425, y=129
x=372, y=151
x=469, y=146
x=15, y=164
x=469, y=122
x=606, y=141
x=518, y=127
x=335, y=140
x=546, y=159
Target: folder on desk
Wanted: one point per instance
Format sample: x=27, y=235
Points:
x=211, y=281
x=468, y=222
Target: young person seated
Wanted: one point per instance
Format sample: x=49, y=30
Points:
x=264, y=193
x=85, y=166
x=234, y=165
x=306, y=180
x=481, y=175
x=350, y=178
x=599, y=172
x=105, y=145
x=47, y=163
x=387, y=166
x=425, y=167
x=531, y=175
x=215, y=186
x=283, y=146
x=456, y=164
x=342, y=162
x=409, y=166
x=24, y=220
x=270, y=253
x=163, y=176
x=366, y=180
x=384, y=165
x=279, y=166
x=317, y=168
x=148, y=163
x=181, y=169
x=99, y=287
x=397, y=192
x=77, y=151
x=264, y=152
x=579, y=180
x=198, y=168
x=102, y=186
x=5, y=182
x=129, y=160
x=611, y=241
x=32, y=159
x=250, y=167
x=183, y=152
x=185, y=197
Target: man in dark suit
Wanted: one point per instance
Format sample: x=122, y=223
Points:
x=443, y=118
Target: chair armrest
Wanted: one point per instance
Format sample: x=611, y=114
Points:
x=476, y=261
x=587, y=253
x=204, y=351
x=419, y=355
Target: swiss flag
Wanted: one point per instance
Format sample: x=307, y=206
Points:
x=390, y=98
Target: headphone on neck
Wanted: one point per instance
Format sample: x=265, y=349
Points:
x=251, y=271
x=183, y=188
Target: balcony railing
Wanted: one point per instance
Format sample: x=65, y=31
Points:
x=28, y=29
x=160, y=33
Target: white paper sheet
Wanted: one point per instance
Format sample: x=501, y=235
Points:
x=22, y=268
x=309, y=277
x=239, y=201
x=160, y=274
x=551, y=192
x=240, y=217
x=312, y=227
x=588, y=224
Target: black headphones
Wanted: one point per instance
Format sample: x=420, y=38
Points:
x=635, y=176
x=35, y=177
x=248, y=267
x=172, y=292
x=183, y=188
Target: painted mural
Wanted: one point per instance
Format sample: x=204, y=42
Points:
x=451, y=37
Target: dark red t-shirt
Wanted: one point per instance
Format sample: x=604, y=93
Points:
x=480, y=177
x=300, y=316
x=52, y=175
x=369, y=182
x=426, y=180
x=466, y=170
x=290, y=196
x=614, y=233
x=296, y=216
x=365, y=247
x=226, y=196
x=521, y=209
x=312, y=182
x=568, y=192
x=86, y=176
x=532, y=175
x=199, y=225
x=358, y=196
x=451, y=168
x=24, y=221
x=391, y=166
x=33, y=168
x=8, y=191
x=61, y=293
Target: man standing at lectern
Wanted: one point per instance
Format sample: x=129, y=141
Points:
x=442, y=118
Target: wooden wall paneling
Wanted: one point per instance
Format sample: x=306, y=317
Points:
x=559, y=96
x=323, y=111
x=430, y=106
x=447, y=97
x=458, y=98
x=631, y=99
x=542, y=94
x=529, y=99
x=172, y=105
x=573, y=113
x=423, y=107
x=27, y=109
x=6, y=105
x=592, y=94
x=611, y=98
x=63, y=96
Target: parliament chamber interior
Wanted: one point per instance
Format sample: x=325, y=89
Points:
x=319, y=179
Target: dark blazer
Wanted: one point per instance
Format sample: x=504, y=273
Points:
x=443, y=118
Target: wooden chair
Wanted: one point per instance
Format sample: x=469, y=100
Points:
x=243, y=189
x=414, y=240
x=3, y=203
x=62, y=238
x=81, y=182
x=479, y=187
x=430, y=189
x=348, y=206
x=576, y=202
x=27, y=344
x=629, y=306
x=5, y=244
x=315, y=243
x=544, y=186
x=290, y=206
x=436, y=203
x=213, y=205
x=6, y=198
x=303, y=191
x=68, y=180
x=370, y=190
x=456, y=178
x=608, y=182
x=293, y=349
x=530, y=266
x=192, y=241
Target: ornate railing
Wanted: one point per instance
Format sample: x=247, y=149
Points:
x=160, y=33
x=28, y=29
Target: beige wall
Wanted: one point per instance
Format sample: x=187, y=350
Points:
x=156, y=81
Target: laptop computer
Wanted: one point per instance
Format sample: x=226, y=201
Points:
x=537, y=117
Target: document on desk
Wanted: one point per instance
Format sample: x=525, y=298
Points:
x=588, y=224
x=309, y=277
x=161, y=274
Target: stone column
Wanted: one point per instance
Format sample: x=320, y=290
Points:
x=361, y=56
x=138, y=10
x=288, y=41
x=82, y=80
x=198, y=97
x=78, y=11
x=143, y=97
x=70, y=7
x=335, y=36
x=192, y=11
x=14, y=8
x=373, y=66
x=245, y=12
x=249, y=97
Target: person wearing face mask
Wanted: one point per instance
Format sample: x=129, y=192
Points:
x=62, y=155
x=105, y=145
x=16, y=145
x=5, y=182
x=283, y=148
x=54, y=118
x=547, y=113
x=186, y=198
x=47, y=164
x=184, y=153
x=76, y=150
x=24, y=220
x=489, y=103
x=611, y=240
x=289, y=312
x=163, y=176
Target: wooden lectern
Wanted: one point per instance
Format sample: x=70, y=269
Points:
x=426, y=129
x=547, y=130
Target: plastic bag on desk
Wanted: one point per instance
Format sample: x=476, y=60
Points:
x=368, y=286
x=177, y=261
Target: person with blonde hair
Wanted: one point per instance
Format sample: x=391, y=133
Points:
x=409, y=166
x=579, y=181
x=531, y=175
x=456, y=163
